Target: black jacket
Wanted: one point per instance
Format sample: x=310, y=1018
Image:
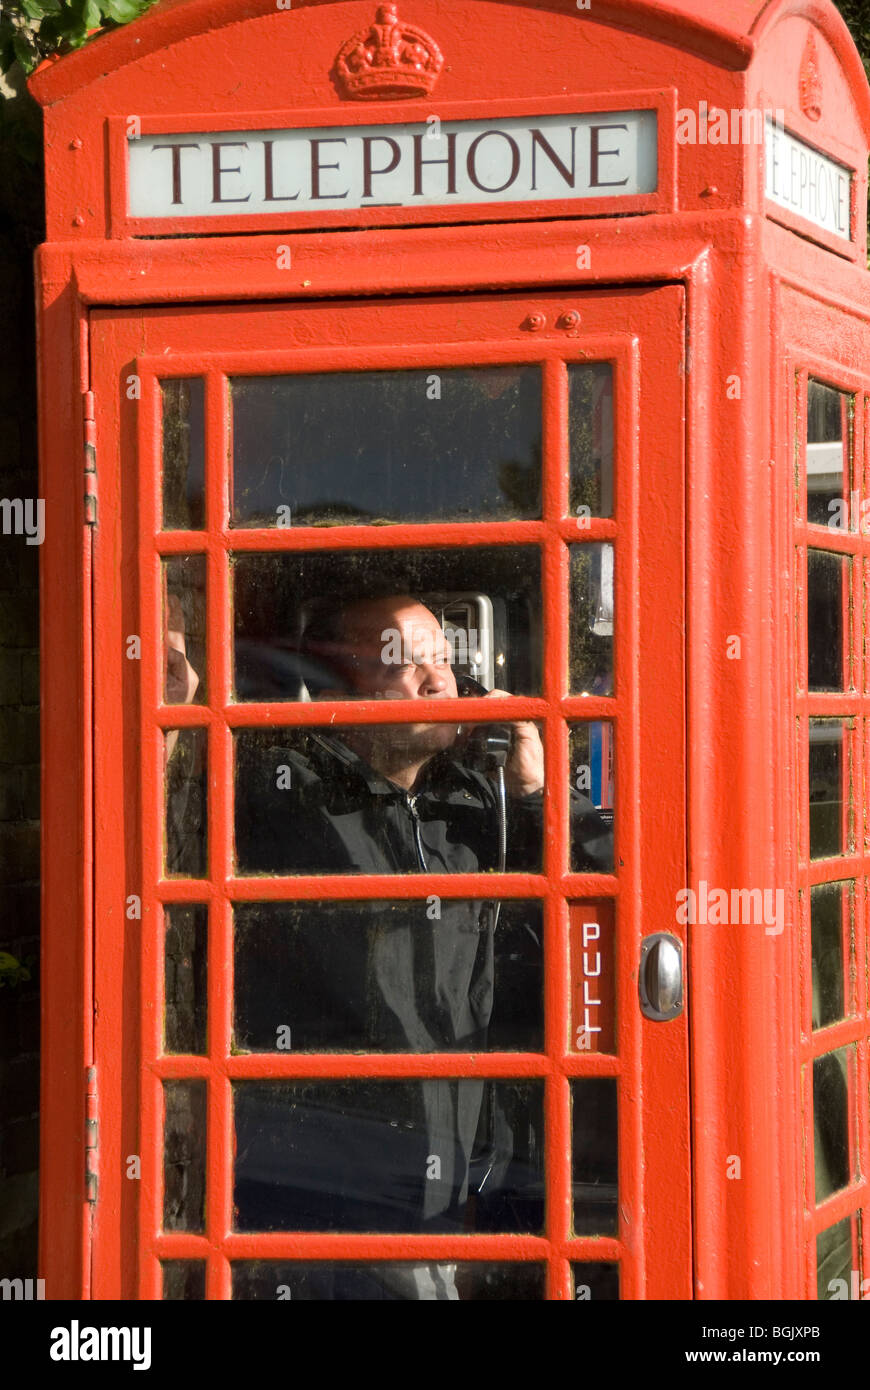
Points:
x=338, y=815
x=414, y=976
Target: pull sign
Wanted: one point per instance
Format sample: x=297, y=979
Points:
x=660, y=977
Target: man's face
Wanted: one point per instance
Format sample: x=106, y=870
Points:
x=399, y=652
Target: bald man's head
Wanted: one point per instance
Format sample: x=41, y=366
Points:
x=388, y=648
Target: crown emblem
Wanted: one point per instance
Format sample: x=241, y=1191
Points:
x=809, y=81
x=389, y=59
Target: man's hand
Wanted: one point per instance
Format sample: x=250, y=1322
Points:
x=524, y=770
x=181, y=680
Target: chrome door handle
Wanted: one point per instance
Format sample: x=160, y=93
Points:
x=660, y=976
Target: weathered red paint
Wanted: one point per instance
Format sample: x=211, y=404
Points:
x=709, y=766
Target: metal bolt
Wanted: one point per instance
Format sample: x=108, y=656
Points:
x=535, y=322
x=78, y=220
x=569, y=320
x=75, y=143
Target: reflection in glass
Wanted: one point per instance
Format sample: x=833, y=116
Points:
x=184, y=629
x=183, y=453
x=838, y=1259
x=428, y=1155
x=185, y=790
x=593, y=976
x=418, y=976
x=590, y=431
x=295, y=611
x=828, y=426
x=342, y=1281
x=184, y=1155
x=183, y=1279
x=831, y=1121
x=827, y=590
x=185, y=961
x=596, y=1279
x=591, y=631
x=441, y=444
x=827, y=773
x=830, y=927
x=594, y=1165
x=591, y=779
x=311, y=801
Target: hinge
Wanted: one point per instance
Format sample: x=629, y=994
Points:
x=90, y=460
x=92, y=1138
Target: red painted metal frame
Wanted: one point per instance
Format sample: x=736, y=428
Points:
x=745, y=1243
x=782, y=297
x=654, y=1164
x=662, y=200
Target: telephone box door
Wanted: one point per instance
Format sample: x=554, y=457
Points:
x=362, y=1030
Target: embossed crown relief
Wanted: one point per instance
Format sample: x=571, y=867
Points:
x=809, y=81
x=389, y=59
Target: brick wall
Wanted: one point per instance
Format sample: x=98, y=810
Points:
x=20, y=231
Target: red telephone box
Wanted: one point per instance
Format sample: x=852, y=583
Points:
x=554, y=318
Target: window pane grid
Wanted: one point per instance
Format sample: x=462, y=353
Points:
x=844, y=532
x=220, y=890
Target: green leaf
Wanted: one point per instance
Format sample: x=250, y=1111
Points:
x=93, y=15
x=25, y=50
x=122, y=11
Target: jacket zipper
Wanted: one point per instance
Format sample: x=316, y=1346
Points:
x=415, y=821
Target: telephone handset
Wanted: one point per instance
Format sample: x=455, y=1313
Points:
x=487, y=747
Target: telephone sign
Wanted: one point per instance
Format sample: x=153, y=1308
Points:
x=516, y=159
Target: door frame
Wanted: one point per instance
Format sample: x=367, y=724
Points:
x=137, y=431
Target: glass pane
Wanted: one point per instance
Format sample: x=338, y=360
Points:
x=593, y=977
x=184, y=630
x=827, y=428
x=186, y=980
x=591, y=780
x=327, y=624
x=186, y=783
x=591, y=649
x=433, y=975
x=183, y=1279
x=183, y=453
x=831, y=1085
x=596, y=1279
x=184, y=1156
x=828, y=785
x=590, y=430
x=831, y=933
x=437, y=1156
x=331, y=800
x=403, y=1281
x=837, y=1261
x=441, y=444
x=594, y=1164
x=827, y=619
